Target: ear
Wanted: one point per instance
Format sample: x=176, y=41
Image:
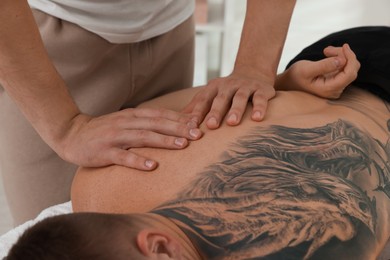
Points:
x=155, y=243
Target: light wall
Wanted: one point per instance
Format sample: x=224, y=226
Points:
x=312, y=19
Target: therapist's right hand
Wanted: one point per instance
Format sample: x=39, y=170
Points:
x=107, y=140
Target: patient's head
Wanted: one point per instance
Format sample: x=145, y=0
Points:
x=93, y=236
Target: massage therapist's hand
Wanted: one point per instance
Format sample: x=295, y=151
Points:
x=228, y=97
x=325, y=78
x=262, y=39
x=107, y=140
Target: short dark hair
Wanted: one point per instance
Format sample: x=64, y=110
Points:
x=78, y=236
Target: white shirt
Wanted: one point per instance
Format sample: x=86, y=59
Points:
x=120, y=21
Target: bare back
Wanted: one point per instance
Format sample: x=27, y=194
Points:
x=310, y=161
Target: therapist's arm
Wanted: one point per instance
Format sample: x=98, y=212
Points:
x=30, y=79
x=253, y=77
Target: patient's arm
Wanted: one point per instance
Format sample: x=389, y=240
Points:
x=325, y=78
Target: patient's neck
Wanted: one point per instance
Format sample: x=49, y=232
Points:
x=189, y=251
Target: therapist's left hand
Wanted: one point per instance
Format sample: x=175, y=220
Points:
x=228, y=98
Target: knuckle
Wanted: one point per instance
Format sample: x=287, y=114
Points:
x=122, y=158
x=236, y=110
x=213, y=82
x=222, y=96
x=260, y=101
x=354, y=75
x=161, y=112
x=241, y=96
x=135, y=161
x=142, y=135
x=182, y=129
x=167, y=141
x=260, y=106
x=270, y=93
x=155, y=121
x=201, y=98
x=198, y=110
x=259, y=95
x=120, y=118
x=111, y=134
x=125, y=159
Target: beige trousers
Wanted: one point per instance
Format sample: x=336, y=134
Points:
x=102, y=77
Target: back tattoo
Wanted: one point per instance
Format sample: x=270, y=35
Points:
x=288, y=193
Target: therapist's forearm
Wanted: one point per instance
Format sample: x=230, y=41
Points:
x=263, y=36
x=29, y=77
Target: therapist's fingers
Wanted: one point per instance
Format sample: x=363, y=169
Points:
x=145, y=138
x=161, y=126
x=239, y=104
x=201, y=103
x=121, y=154
x=260, y=103
x=158, y=113
x=219, y=108
x=129, y=159
x=90, y=141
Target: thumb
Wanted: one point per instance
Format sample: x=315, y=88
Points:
x=325, y=66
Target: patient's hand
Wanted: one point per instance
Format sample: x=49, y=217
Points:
x=325, y=78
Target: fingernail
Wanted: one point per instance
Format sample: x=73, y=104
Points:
x=232, y=118
x=180, y=142
x=212, y=121
x=195, y=133
x=256, y=115
x=149, y=164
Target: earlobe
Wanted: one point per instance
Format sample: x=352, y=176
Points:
x=155, y=243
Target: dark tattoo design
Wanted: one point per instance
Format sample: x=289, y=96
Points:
x=388, y=121
x=287, y=193
x=385, y=184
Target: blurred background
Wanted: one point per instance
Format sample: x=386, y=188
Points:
x=218, y=30
x=219, y=24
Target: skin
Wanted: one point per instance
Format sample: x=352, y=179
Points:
x=318, y=172
x=31, y=80
x=326, y=78
x=29, y=77
x=254, y=73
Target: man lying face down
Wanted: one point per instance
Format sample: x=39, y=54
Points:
x=311, y=181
